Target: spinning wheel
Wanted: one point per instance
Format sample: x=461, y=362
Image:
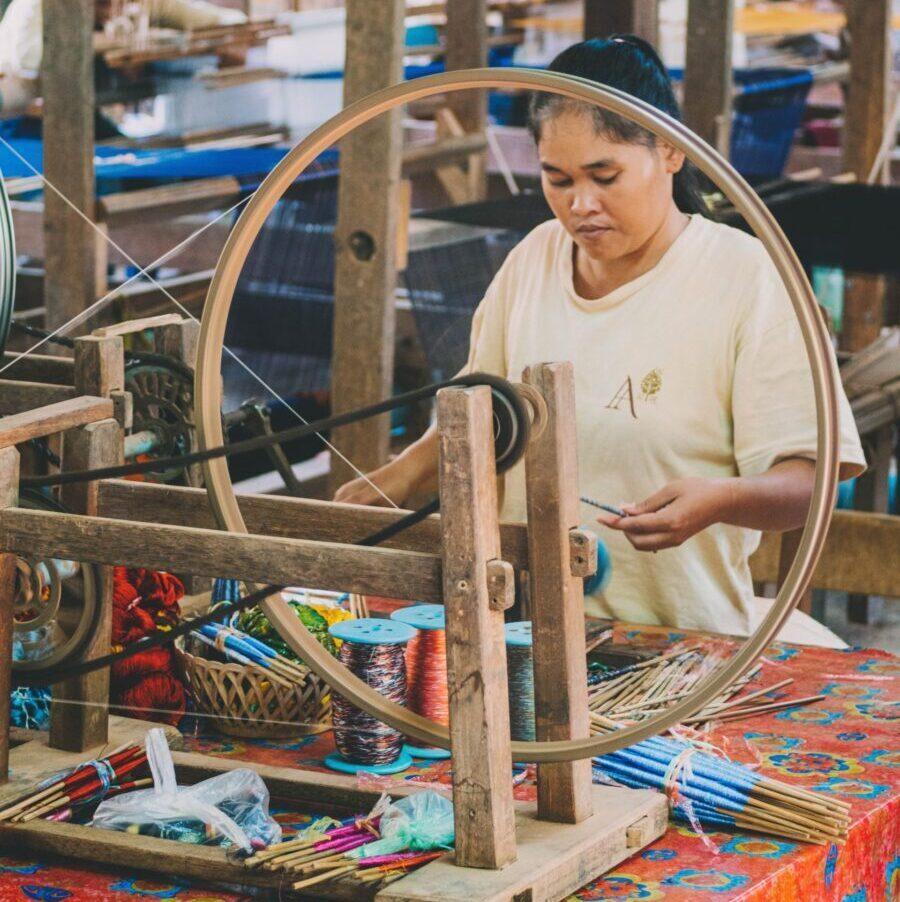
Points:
x=208, y=389
x=56, y=610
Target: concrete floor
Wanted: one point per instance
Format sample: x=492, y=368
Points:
x=883, y=632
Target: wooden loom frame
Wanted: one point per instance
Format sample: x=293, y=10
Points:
x=595, y=828
x=81, y=399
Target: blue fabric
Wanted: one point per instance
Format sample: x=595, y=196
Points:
x=118, y=163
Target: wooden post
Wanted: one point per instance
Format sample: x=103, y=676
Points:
x=707, y=71
x=866, y=116
x=79, y=712
x=467, y=48
x=365, y=273
x=179, y=340
x=557, y=597
x=9, y=492
x=605, y=17
x=99, y=366
x=787, y=551
x=74, y=255
x=476, y=650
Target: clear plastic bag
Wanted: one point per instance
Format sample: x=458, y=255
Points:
x=229, y=809
x=421, y=822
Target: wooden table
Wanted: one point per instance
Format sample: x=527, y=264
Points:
x=845, y=745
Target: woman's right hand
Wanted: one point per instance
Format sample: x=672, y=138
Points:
x=372, y=488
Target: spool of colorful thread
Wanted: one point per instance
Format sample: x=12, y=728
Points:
x=520, y=679
x=426, y=669
x=372, y=650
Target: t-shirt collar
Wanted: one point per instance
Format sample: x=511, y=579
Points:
x=565, y=263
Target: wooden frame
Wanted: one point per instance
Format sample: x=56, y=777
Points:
x=89, y=409
x=475, y=585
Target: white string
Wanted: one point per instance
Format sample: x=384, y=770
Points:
x=320, y=726
x=85, y=314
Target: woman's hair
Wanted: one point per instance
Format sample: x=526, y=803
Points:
x=630, y=64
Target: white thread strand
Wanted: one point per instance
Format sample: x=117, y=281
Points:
x=87, y=313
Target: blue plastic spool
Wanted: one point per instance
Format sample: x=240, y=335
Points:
x=370, y=631
x=600, y=580
x=424, y=617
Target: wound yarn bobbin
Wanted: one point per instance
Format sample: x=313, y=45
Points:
x=372, y=650
x=426, y=669
x=520, y=679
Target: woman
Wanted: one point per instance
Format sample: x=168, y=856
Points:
x=693, y=389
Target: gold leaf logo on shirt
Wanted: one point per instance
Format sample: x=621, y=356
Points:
x=651, y=384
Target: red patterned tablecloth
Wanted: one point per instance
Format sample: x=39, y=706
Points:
x=846, y=745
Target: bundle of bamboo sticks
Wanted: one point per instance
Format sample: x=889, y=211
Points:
x=711, y=790
x=643, y=690
x=55, y=798
x=324, y=856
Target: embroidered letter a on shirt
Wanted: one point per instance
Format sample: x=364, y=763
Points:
x=624, y=391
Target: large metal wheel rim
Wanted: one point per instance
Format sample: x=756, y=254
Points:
x=208, y=389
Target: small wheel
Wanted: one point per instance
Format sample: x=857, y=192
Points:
x=56, y=610
x=163, y=392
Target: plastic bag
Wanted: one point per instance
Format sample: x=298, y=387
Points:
x=420, y=822
x=228, y=809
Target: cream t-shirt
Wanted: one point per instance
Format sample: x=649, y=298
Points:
x=695, y=368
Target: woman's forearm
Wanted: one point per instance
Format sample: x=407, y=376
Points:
x=420, y=463
x=773, y=501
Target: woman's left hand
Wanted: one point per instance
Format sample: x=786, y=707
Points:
x=674, y=513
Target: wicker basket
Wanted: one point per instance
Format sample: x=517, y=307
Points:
x=243, y=701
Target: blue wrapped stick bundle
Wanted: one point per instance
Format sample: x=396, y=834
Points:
x=706, y=789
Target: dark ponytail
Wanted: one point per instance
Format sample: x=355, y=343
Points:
x=630, y=64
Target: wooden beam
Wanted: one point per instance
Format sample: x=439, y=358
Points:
x=40, y=422
x=74, y=258
x=707, y=71
x=209, y=552
x=476, y=651
x=872, y=494
x=79, y=709
x=19, y=397
x=130, y=326
x=605, y=17
x=854, y=558
x=9, y=491
x=426, y=157
x=169, y=201
x=39, y=368
x=557, y=597
x=467, y=48
x=866, y=116
x=289, y=518
x=365, y=239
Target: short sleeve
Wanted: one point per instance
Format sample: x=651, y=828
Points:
x=773, y=402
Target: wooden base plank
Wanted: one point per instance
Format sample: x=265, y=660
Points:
x=554, y=859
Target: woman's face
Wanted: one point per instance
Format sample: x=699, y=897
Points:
x=610, y=197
